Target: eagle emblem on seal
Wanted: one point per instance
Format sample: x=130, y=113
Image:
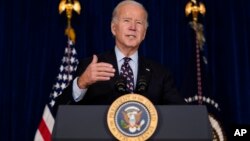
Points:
x=132, y=119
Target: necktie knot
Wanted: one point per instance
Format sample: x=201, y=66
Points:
x=126, y=59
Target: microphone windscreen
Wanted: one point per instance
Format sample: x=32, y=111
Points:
x=142, y=85
x=120, y=85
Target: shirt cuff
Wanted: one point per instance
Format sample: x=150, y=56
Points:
x=77, y=92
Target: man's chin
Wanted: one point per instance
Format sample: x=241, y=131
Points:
x=132, y=45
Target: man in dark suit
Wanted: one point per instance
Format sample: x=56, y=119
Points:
x=100, y=79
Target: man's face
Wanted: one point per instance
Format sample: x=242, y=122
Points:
x=129, y=28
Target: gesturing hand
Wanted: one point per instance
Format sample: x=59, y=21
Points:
x=95, y=72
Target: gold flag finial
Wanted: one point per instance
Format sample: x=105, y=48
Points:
x=69, y=6
x=195, y=8
x=192, y=7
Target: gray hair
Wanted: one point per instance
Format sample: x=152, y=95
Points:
x=115, y=11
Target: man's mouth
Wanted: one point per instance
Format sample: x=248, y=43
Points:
x=131, y=36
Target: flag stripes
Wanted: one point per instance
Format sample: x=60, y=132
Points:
x=65, y=76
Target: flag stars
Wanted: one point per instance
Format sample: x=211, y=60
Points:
x=52, y=103
x=63, y=86
x=67, y=50
x=70, y=77
x=61, y=68
x=59, y=77
x=72, y=59
x=57, y=86
x=66, y=68
x=55, y=94
x=70, y=68
x=62, y=80
x=64, y=77
x=74, y=51
x=64, y=59
x=216, y=105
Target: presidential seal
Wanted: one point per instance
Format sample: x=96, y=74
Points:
x=132, y=117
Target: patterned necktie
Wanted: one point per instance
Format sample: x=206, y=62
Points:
x=127, y=73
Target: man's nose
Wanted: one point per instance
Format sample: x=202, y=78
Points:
x=132, y=26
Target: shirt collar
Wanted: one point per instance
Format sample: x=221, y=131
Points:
x=120, y=55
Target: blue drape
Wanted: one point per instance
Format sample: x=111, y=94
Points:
x=32, y=42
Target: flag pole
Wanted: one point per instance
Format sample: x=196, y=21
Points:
x=69, y=6
x=195, y=9
x=65, y=76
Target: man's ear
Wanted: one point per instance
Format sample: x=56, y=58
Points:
x=113, y=28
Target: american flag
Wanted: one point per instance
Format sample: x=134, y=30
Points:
x=65, y=76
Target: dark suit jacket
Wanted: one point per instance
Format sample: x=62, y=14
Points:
x=160, y=86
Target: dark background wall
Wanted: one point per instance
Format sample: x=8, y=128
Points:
x=32, y=43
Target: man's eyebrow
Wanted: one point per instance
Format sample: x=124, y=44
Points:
x=126, y=18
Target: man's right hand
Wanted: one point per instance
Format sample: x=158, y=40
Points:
x=95, y=72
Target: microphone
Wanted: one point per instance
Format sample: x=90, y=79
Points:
x=142, y=85
x=120, y=85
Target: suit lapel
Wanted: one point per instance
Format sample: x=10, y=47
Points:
x=144, y=71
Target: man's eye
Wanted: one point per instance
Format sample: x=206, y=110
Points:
x=126, y=20
x=139, y=22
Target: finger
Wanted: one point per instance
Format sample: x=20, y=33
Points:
x=105, y=74
x=94, y=60
x=103, y=64
x=102, y=78
x=105, y=69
